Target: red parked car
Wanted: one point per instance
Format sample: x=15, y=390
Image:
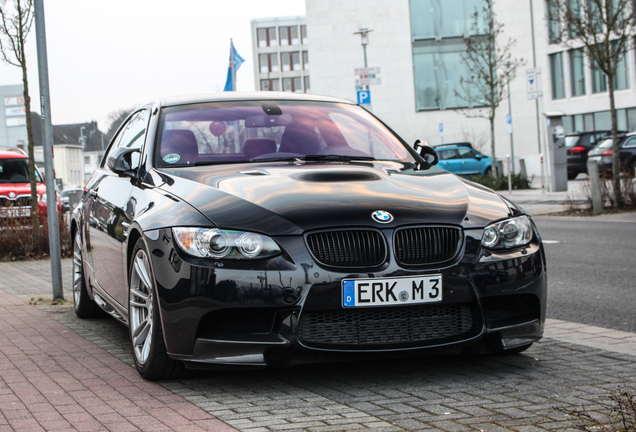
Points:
x=15, y=189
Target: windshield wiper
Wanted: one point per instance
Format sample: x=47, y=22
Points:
x=336, y=158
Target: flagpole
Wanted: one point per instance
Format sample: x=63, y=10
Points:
x=232, y=64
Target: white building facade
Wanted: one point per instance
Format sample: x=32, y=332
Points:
x=281, y=57
x=417, y=44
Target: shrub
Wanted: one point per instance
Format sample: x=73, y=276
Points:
x=501, y=183
x=617, y=415
x=16, y=242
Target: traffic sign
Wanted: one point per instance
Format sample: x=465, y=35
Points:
x=441, y=128
x=532, y=83
x=366, y=71
x=364, y=97
x=508, y=119
x=368, y=81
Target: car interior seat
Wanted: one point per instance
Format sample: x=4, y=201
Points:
x=180, y=142
x=258, y=147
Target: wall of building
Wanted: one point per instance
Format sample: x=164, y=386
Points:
x=276, y=76
x=13, y=132
x=335, y=52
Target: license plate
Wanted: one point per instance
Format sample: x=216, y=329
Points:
x=15, y=212
x=392, y=291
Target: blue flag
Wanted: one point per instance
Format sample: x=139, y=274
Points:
x=238, y=61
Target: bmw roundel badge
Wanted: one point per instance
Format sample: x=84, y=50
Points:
x=382, y=216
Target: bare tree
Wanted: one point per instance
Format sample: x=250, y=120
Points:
x=116, y=118
x=14, y=29
x=491, y=67
x=605, y=29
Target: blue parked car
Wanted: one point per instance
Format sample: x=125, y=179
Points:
x=463, y=159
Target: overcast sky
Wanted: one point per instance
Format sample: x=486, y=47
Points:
x=109, y=55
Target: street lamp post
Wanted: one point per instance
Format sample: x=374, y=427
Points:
x=364, y=38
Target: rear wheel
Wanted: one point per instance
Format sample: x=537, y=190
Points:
x=84, y=306
x=146, y=335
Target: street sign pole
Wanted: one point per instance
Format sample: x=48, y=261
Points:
x=47, y=137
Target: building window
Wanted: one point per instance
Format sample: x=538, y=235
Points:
x=305, y=60
x=268, y=62
x=556, y=74
x=290, y=61
x=438, y=28
x=621, y=79
x=270, y=85
x=267, y=37
x=292, y=85
x=289, y=35
x=554, y=23
x=303, y=34
x=577, y=72
x=574, y=6
x=599, y=80
x=307, y=86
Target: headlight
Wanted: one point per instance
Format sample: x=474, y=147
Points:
x=508, y=233
x=217, y=243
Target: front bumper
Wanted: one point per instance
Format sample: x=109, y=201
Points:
x=289, y=309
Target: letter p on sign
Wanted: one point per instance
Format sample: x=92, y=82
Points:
x=364, y=97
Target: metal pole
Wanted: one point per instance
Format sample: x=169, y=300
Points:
x=512, y=147
x=47, y=138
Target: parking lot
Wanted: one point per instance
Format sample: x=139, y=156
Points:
x=574, y=365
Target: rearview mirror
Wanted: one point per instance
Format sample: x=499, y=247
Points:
x=120, y=160
x=427, y=153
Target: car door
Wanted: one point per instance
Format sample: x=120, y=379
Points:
x=108, y=226
x=449, y=160
x=469, y=164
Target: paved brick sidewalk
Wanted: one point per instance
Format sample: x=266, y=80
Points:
x=573, y=365
x=51, y=378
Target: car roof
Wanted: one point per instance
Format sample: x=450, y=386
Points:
x=249, y=96
x=13, y=154
x=457, y=144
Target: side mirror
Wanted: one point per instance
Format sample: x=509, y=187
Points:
x=120, y=160
x=427, y=153
x=478, y=157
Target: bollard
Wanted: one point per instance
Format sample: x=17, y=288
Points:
x=595, y=187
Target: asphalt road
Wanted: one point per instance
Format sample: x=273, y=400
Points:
x=591, y=271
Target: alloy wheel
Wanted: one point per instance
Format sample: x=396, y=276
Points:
x=77, y=271
x=141, y=307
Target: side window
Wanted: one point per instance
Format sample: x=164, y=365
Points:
x=466, y=153
x=631, y=143
x=132, y=135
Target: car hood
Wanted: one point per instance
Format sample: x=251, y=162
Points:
x=290, y=198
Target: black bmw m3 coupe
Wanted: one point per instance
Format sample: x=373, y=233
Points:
x=275, y=229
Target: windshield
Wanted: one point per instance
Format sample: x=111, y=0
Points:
x=226, y=132
x=571, y=141
x=16, y=171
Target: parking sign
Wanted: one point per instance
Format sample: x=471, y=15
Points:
x=364, y=97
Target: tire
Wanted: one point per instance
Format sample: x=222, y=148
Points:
x=83, y=305
x=488, y=171
x=146, y=335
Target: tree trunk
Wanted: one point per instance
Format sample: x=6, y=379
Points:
x=493, y=160
x=616, y=168
x=35, y=218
